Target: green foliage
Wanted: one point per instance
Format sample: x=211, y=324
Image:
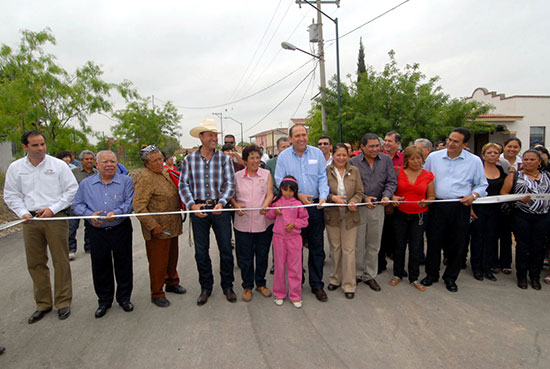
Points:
x=37, y=92
x=140, y=125
x=393, y=99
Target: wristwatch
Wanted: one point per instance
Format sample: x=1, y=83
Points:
x=475, y=195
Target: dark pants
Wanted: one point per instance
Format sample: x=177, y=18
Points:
x=313, y=234
x=530, y=231
x=484, y=243
x=448, y=229
x=73, y=227
x=503, y=259
x=408, y=228
x=110, y=248
x=221, y=224
x=387, y=245
x=250, y=245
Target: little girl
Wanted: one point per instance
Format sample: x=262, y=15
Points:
x=287, y=242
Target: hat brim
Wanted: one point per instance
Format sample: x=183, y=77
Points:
x=195, y=132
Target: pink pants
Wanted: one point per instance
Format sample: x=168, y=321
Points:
x=287, y=253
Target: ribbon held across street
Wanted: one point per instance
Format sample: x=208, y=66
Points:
x=480, y=201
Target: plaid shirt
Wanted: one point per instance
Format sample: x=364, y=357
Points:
x=203, y=179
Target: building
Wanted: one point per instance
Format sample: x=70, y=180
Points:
x=526, y=117
x=268, y=139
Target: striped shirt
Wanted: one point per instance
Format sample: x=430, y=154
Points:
x=203, y=179
x=527, y=185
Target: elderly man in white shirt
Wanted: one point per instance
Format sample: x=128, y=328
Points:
x=39, y=185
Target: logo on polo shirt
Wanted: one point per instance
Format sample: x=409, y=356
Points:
x=49, y=172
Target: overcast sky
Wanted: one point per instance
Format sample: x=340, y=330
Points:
x=206, y=53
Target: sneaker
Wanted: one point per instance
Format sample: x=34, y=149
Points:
x=72, y=255
x=395, y=281
x=278, y=302
x=418, y=286
x=264, y=291
x=297, y=304
x=247, y=295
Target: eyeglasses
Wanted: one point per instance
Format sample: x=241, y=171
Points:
x=322, y=144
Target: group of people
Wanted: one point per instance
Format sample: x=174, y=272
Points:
x=373, y=203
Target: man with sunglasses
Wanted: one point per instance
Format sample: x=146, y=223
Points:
x=324, y=143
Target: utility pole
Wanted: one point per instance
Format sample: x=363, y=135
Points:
x=221, y=122
x=323, y=78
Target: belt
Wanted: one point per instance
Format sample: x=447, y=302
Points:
x=209, y=202
x=34, y=213
x=107, y=229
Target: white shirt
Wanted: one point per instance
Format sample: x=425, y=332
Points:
x=505, y=164
x=50, y=184
x=265, y=158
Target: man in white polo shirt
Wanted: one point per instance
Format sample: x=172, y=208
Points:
x=39, y=185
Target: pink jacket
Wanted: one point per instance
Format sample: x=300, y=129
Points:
x=298, y=216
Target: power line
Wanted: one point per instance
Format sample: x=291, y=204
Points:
x=256, y=51
x=310, y=83
x=372, y=20
x=242, y=98
x=283, y=100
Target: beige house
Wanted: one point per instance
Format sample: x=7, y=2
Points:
x=526, y=117
x=268, y=139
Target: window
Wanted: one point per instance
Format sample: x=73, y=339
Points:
x=537, y=134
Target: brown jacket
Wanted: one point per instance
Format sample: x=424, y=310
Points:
x=157, y=193
x=354, y=191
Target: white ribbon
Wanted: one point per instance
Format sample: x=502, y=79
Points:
x=480, y=200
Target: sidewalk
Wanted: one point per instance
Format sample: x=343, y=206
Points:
x=485, y=325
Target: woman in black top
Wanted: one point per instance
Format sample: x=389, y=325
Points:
x=484, y=244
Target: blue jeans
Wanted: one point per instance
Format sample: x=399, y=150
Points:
x=248, y=246
x=73, y=227
x=313, y=234
x=221, y=224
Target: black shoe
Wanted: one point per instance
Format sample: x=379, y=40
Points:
x=2, y=350
x=177, y=288
x=272, y=270
x=451, y=286
x=64, y=313
x=349, y=295
x=428, y=281
x=535, y=283
x=332, y=287
x=230, y=295
x=101, y=310
x=203, y=297
x=358, y=280
x=490, y=276
x=522, y=283
x=373, y=285
x=478, y=275
x=161, y=302
x=127, y=306
x=320, y=294
x=37, y=315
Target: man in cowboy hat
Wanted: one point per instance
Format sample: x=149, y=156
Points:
x=208, y=182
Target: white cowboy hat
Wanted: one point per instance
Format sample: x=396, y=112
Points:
x=207, y=125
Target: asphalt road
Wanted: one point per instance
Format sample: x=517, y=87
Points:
x=485, y=325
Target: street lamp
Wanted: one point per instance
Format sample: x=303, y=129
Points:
x=236, y=121
x=288, y=46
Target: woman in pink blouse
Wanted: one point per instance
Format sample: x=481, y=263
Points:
x=253, y=231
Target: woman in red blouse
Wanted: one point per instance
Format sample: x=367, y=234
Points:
x=410, y=218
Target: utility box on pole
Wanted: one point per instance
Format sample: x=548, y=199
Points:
x=314, y=32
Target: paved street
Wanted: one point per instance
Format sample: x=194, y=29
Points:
x=485, y=325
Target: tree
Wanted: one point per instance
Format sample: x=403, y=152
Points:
x=393, y=99
x=140, y=125
x=37, y=92
x=361, y=67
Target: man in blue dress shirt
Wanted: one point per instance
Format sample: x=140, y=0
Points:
x=307, y=164
x=458, y=174
x=106, y=194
